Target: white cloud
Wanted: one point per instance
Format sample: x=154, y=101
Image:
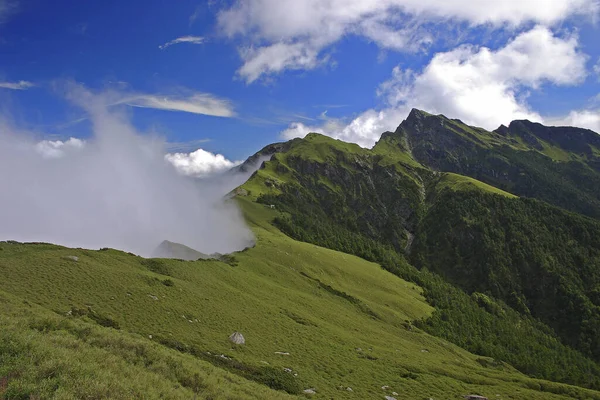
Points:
x=282, y=31
x=597, y=68
x=115, y=191
x=276, y=58
x=485, y=87
x=20, y=85
x=478, y=85
x=183, y=100
x=363, y=130
x=183, y=39
x=589, y=119
x=58, y=148
x=197, y=103
x=299, y=130
x=200, y=163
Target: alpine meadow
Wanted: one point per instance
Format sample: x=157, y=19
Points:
x=300, y=199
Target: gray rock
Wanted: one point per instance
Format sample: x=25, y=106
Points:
x=309, y=391
x=237, y=338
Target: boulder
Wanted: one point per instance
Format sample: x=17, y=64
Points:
x=237, y=338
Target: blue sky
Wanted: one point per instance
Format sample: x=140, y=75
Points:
x=232, y=76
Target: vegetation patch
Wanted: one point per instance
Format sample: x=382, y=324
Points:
x=273, y=378
x=157, y=266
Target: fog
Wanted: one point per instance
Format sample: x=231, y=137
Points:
x=227, y=181
x=116, y=190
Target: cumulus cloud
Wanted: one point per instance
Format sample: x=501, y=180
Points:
x=589, y=119
x=276, y=58
x=58, y=148
x=200, y=163
x=290, y=34
x=363, y=130
x=486, y=87
x=482, y=87
x=20, y=85
x=115, y=190
x=183, y=39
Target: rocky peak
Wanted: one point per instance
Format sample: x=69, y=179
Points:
x=577, y=140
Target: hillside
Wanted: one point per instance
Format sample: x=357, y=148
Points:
x=164, y=325
x=558, y=165
x=382, y=271
x=393, y=202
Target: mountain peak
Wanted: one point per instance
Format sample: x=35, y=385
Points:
x=415, y=113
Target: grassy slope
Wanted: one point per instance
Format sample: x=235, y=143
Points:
x=459, y=183
x=44, y=355
x=273, y=296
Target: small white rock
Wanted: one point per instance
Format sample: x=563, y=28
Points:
x=309, y=391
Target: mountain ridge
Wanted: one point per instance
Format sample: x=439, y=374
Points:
x=375, y=273
x=352, y=199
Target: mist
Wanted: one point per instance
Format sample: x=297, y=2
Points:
x=115, y=190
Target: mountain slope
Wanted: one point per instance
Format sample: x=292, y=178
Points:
x=345, y=322
x=539, y=259
x=378, y=205
x=557, y=165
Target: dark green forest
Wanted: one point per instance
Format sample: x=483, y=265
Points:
x=477, y=322
x=516, y=279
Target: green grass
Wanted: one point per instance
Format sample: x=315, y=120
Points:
x=457, y=182
x=44, y=355
x=345, y=322
x=556, y=153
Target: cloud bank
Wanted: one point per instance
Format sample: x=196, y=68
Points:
x=482, y=87
x=116, y=190
x=279, y=35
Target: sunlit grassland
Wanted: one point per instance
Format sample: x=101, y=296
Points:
x=345, y=322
